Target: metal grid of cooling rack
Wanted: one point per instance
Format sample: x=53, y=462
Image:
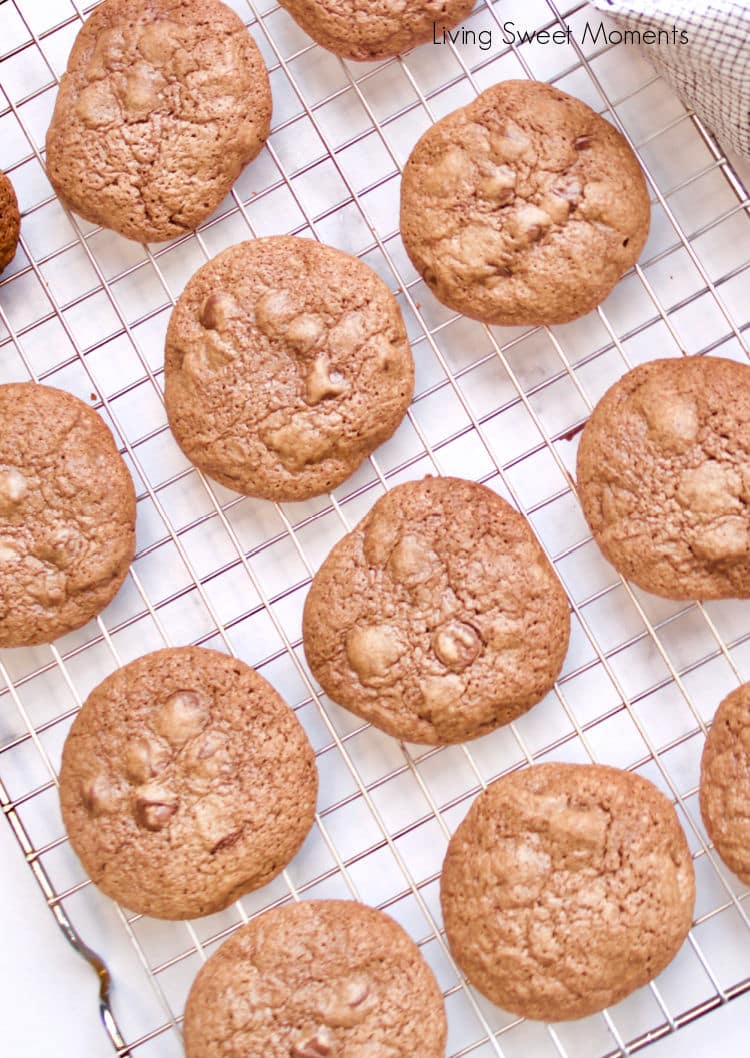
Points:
x=83, y=309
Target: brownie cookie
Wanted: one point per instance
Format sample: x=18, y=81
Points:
x=375, y=29
x=67, y=514
x=725, y=782
x=438, y=618
x=524, y=207
x=287, y=363
x=10, y=222
x=322, y=978
x=186, y=781
x=664, y=477
x=566, y=887
x=163, y=104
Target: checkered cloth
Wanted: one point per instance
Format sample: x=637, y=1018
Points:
x=712, y=71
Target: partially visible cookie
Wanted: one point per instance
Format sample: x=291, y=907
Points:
x=725, y=782
x=67, y=514
x=163, y=104
x=287, y=363
x=565, y=888
x=320, y=979
x=186, y=781
x=524, y=207
x=375, y=29
x=438, y=618
x=664, y=477
x=10, y=221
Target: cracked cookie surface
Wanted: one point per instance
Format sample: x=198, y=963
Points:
x=186, y=781
x=163, y=104
x=10, y=221
x=287, y=363
x=319, y=979
x=375, y=29
x=67, y=514
x=524, y=207
x=664, y=477
x=725, y=782
x=566, y=887
x=438, y=618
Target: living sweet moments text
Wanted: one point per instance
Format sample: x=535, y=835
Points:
x=592, y=33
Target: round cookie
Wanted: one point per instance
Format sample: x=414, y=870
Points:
x=287, y=363
x=565, y=888
x=10, y=222
x=524, y=207
x=67, y=514
x=186, y=781
x=163, y=104
x=664, y=477
x=725, y=782
x=438, y=618
x=375, y=29
x=321, y=978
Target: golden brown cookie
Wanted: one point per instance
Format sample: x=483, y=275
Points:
x=375, y=29
x=664, y=477
x=320, y=979
x=287, y=364
x=438, y=618
x=163, y=104
x=566, y=887
x=524, y=207
x=67, y=514
x=725, y=782
x=10, y=222
x=186, y=781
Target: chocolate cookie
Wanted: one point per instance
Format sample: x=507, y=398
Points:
x=664, y=477
x=375, y=29
x=524, y=207
x=321, y=978
x=566, y=887
x=287, y=364
x=67, y=514
x=10, y=222
x=725, y=782
x=438, y=618
x=186, y=781
x=163, y=104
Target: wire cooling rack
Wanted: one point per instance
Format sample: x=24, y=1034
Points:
x=83, y=309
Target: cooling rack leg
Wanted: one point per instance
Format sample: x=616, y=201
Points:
x=70, y=933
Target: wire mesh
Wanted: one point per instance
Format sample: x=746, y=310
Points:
x=85, y=310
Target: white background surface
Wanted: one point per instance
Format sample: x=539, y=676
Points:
x=48, y=993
